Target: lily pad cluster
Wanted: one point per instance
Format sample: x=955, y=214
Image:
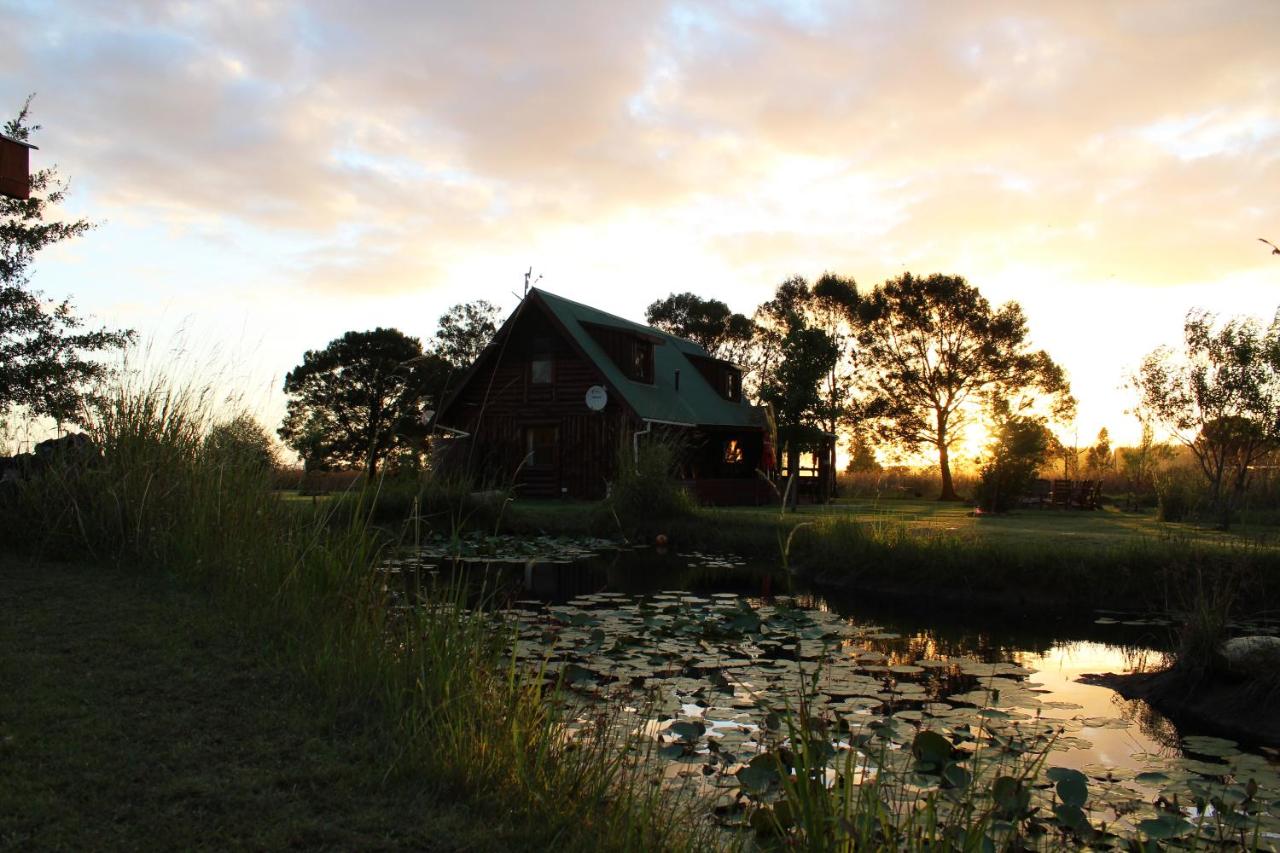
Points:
x=763, y=706
x=503, y=548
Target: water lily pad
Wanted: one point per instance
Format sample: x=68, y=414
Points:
x=1165, y=826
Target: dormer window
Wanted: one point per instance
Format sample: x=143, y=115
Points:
x=641, y=362
x=631, y=351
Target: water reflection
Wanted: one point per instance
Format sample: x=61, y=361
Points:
x=1058, y=649
x=698, y=652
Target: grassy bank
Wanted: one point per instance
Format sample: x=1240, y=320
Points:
x=930, y=550
x=427, y=692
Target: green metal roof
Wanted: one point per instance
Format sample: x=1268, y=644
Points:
x=696, y=402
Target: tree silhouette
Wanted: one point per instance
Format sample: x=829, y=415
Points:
x=1220, y=397
x=354, y=401
x=464, y=331
x=930, y=347
x=47, y=362
x=708, y=322
x=797, y=357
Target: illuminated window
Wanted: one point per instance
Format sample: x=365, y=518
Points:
x=540, y=446
x=732, y=452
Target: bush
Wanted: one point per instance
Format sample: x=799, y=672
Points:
x=1016, y=454
x=241, y=442
x=646, y=487
x=446, y=503
x=1178, y=495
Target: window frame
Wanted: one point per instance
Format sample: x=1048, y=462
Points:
x=549, y=360
x=640, y=366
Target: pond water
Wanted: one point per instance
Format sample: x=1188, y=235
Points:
x=706, y=656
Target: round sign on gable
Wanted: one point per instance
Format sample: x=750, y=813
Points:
x=597, y=398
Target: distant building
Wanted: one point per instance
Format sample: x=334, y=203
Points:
x=565, y=393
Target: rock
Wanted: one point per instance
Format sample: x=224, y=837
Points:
x=1251, y=657
x=74, y=448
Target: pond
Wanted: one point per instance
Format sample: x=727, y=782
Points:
x=710, y=659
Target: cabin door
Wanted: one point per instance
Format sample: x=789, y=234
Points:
x=541, y=474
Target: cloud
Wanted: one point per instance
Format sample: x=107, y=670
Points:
x=387, y=144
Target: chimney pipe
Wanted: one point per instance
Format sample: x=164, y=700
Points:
x=677, y=380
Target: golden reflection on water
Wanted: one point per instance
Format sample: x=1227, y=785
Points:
x=1149, y=733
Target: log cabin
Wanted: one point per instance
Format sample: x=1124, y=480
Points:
x=564, y=393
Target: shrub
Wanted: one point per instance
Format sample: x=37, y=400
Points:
x=1019, y=449
x=1177, y=495
x=646, y=487
x=241, y=441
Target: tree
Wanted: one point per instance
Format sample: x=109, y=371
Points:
x=46, y=352
x=707, y=322
x=1220, y=397
x=797, y=356
x=355, y=400
x=464, y=331
x=1138, y=464
x=1019, y=446
x=241, y=442
x=832, y=306
x=1067, y=454
x=1099, y=459
x=931, y=347
x=862, y=456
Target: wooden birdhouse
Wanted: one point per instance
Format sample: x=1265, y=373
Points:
x=15, y=167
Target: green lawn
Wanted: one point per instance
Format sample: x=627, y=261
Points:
x=1102, y=527
x=134, y=716
x=1105, y=526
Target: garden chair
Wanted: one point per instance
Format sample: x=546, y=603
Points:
x=1082, y=496
x=1060, y=494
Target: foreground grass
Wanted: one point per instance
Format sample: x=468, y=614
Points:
x=137, y=714
x=429, y=691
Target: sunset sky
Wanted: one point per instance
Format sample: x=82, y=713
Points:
x=270, y=175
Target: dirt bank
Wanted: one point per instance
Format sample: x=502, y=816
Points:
x=1243, y=710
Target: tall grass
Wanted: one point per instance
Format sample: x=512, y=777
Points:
x=435, y=681
x=646, y=489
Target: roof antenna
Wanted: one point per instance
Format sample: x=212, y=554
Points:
x=527, y=283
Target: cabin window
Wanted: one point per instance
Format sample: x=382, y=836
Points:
x=732, y=452
x=641, y=362
x=542, y=363
x=540, y=446
x=729, y=385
